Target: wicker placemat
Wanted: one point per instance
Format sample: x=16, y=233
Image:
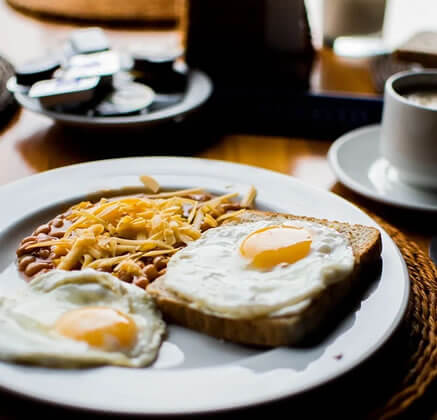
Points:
x=420, y=322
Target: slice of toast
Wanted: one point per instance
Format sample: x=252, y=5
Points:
x=281, y=330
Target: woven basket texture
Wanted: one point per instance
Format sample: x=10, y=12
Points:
x=420, y=323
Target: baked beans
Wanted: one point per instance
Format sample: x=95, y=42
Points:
x=33, y=261
x=37, y=260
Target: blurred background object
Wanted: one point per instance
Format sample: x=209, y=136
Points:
x=250, y=43
x=260, y=56
x=395, y=20
x=387, y=35
x=420, y=48
x=7, y=101
x=101, y=10
x=351, y=17
x=353, y=28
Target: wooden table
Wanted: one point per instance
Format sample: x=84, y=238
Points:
x=32, y=143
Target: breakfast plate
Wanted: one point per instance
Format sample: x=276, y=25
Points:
x=355, y=159
x=192, y=372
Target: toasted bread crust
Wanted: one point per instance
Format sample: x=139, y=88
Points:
x=284, y=330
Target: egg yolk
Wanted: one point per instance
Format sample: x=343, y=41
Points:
x=101, y=327
x=273, y=245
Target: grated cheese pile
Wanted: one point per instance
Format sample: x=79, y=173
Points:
x=117, y=234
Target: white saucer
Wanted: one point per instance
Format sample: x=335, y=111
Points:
x=355, y=159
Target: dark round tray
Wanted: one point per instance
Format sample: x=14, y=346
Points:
x=199, y=89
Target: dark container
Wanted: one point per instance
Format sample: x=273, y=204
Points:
x=250, y=43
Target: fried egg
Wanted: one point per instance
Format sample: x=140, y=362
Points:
x=266, y=267
x=78, y=318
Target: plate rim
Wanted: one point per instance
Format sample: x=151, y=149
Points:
x=350, y=182
x=395, y=322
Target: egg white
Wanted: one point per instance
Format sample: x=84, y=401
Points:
x=212, y=275
x=27, y=320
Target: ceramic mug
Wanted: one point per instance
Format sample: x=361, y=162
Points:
x=409, y=128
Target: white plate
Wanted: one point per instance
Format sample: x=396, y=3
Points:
x=196, y=373
x=356, y=161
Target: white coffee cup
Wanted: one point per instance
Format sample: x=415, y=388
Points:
x=409, y=128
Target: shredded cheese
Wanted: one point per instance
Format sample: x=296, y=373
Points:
x=249, y=198
x=115, y=234
x=150, y=183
